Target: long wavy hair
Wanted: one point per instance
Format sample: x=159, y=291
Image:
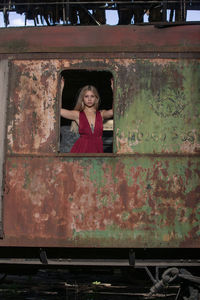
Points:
x=80, y=106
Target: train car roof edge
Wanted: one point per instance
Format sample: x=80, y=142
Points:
x=95, y=39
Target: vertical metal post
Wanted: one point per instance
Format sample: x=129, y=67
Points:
x=63, y=10
x=67, y=11
x=4, y=69
x=164, y=13
x=184, y=10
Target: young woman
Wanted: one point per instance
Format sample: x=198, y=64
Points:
x=88, y=120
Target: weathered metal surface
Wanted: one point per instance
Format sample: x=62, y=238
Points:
x=100, y=39
x=133, y=201
x=3, y=101
x=158, y=108
x=156, y=104
x=33, y=107
x=124, y=200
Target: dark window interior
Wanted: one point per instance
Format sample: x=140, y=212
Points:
x=74, y=81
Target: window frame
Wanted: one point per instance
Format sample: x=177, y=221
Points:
x=104, y=154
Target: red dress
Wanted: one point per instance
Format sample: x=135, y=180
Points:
x=89, y=142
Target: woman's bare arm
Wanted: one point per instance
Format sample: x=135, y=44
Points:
x=70, y=114
x=107, y=114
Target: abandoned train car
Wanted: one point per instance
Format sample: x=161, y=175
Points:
x=143, y=192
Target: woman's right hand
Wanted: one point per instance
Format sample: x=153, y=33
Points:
x=112, y=83
x=62, y=83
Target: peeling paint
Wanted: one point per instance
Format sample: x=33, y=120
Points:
x=158, y=107
x=68, y=202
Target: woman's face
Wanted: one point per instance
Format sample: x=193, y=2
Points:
x=89, y=99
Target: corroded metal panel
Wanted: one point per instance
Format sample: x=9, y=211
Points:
x=103, y=202
x=100, y=39
x=158, y=108
x=33, y=107
x=3, y=102
x=118, y=201
x=156, y=104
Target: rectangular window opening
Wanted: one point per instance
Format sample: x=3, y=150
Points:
x=74, y=81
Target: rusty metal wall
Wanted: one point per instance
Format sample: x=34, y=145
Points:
x=33, y=107
x=145, y=194
x=3, y=101
x=138, y=201
x=156, y=104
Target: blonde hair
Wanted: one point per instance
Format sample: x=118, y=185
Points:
x=80, y=104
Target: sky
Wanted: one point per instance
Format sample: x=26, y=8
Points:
x=111, y=17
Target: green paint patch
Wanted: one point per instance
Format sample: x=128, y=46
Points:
x=97, y=175
x=125, y=215
x=27, y=180
x=145, y=208
x=162, y=111
x=103, y=201
x=14, y=165
x=145, y=235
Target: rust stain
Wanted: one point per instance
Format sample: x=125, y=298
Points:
x=32, y=115
x=79, y=203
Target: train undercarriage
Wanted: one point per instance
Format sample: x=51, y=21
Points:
x=161, y=272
